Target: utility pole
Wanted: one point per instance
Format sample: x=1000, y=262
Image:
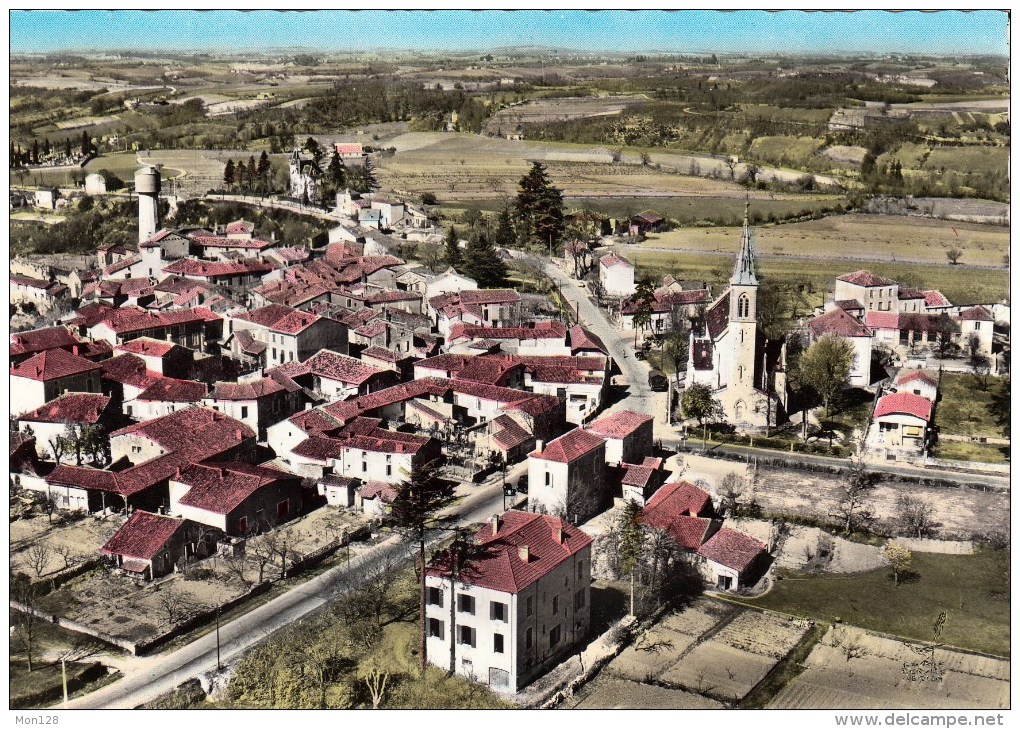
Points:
x=219, y=665
x=63, y=674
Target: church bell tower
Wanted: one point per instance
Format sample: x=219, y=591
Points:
x=743, y=322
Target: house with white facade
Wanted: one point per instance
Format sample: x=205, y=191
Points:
x=616, y=275
x=900, y=426
x=838, y=323
x=628, y=436
x=39, y=379
x=568, y=477
x=516, y=605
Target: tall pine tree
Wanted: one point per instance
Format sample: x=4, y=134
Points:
x=540, y=209
x=504, y=236
x=483, y=264
x=451, y=250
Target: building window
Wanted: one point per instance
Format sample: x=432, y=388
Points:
x=579, y=599
x=580, y=569
x=364, y=466
x=498, y=611
x=465, y=604
x=435, y=596
x=497, y=643
x=467, y=636
x=556, y=604
x=977, y=325
x=548, y=479
x=436, y=628
x=282, y=509
x=530, y=607
x=244, y=411
x=554, y=637
x=529, y=639
x=389, y=470
x=743, y=306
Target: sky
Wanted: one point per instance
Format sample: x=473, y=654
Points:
x=749, y=31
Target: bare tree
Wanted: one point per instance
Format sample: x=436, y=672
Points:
x=25, y=622
x=853, y=509
x=69, y=555
x=954, y=255
x=730, y=491
x=237, y=566
x=850, y=645
x=916, y=518
x=261, y=550
x=37, y=557
x=58, y=447
x=173, y=606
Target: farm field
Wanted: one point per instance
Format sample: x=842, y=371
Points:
x=887, y=238
x=708, y=655
x=875, y=678
x=961, y=284
x=972, y=589
x=978, y=452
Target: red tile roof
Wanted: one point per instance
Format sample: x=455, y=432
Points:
x=346, y=149
x=240, y=226
x=53, y=364
x=539, y=330
x=718, y=316
x=222, y=486
x=838, y=323
x=581, y=340
x=127, y=369
x=619, y=424
x=571, y=446
x=142, y=535
x=377, y=489
x=674, y=500
x=213, y=269
x=634, y=475
x=976, y=313
x=865, y=278
x=170, y=389
x=215, y=241
x=91, y=314
x=39, y=340
x=147, y=346
x=732, y=549
x=381, y=353
x=933, y=297
x=339, y=367
x=905, y=294
x=128, y=320
x=250, y=390
x=500, y=566
x=508, y=433
x=849, y=305
x=904, y=403
x=689, y=532
x=611, y=259
x=915, y=375
x=121, y=265
x=882, y=320
x=72, y=407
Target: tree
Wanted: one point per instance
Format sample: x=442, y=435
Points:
x=917, y=518
x=483, y=264
x=26, y=622
x=263, y=169
x=644, y=299
x=700, y=404
x=503, y=236
x=945, y=335
x=58, y=447
x=376, y=680
x=899, y=558
x=452, y=253
x=954, y=255
x=730, y=491
x=540, y=209
x=172, y=605
x=229, y=174
x=314, y=149
x=428, y=198
x=1000, y=406
x=631, y=544
x=415, y=512
x=853, y=509
x=86, y=144
x=825, y=367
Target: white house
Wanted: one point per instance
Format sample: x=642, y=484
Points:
x=899, y=425
x=874, y=293
x=838, y=323
x=519, y=603
x=628, y=436
x=917, y=382
x=568, y=476
x=616, y=274
x=448, y=282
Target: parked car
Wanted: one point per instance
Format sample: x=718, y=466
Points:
x=658, y=381
x=640, y=354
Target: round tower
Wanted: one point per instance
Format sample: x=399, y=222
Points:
x=147, y=185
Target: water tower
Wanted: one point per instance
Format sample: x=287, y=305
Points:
x=147, y=184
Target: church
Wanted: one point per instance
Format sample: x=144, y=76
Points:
x=730, y=354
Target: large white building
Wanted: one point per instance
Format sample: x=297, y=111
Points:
x=517, y=603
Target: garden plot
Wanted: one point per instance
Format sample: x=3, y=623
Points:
x=873, y=677
x=719, y=670
x=804, y=544
x=763, y=634
x=652, y=654
x=47, y=551
x=607, y=692
x=700, y=617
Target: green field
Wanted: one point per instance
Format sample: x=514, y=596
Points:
x=977, y=452
x=964, y=409
x=972, y=589
x=960, y=284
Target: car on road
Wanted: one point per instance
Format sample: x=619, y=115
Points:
x=640, y=354
x=658, y=381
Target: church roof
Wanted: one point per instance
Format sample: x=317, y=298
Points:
x=743, y=269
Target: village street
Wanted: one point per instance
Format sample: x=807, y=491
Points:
x=148, y=677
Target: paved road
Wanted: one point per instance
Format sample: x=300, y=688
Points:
x=155, y=675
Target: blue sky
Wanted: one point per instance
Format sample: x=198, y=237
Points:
x=754, y=31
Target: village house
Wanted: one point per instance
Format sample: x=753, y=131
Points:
x=26, y=344
x=477, y=307
x=628, y=436
x=42, y=377
x=242, y=272
x=42, y=293
x=838, y=323
x=148, y=546
x=874, y=293
x=900, y=426
x=164, y=396
x=239, y=499
x=568, y=477
x=289, y=335
x=647, y=221
x=518, y=605
x=256, y=403
x=165, y=358
x=448, y=282
x=336, y=376
x=616, y=276
x=50, y=422
x=670, y=310
x=195, y=329
x=161, y=249
x=639, y=481
x=917, y=382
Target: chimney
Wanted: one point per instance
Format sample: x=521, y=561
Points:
x=177, y=472
x=237, y=433
x=74, y=350
x=495, y=524
x=223, y=473
x=558, y=533
x=522, y=552
x=539, y=445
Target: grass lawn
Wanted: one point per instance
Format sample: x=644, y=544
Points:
x=45, y=678
x=979, y=452
x=853, y=412
x=972, y=589
x=964, y=409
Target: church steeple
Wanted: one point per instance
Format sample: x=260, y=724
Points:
x=743, y=269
